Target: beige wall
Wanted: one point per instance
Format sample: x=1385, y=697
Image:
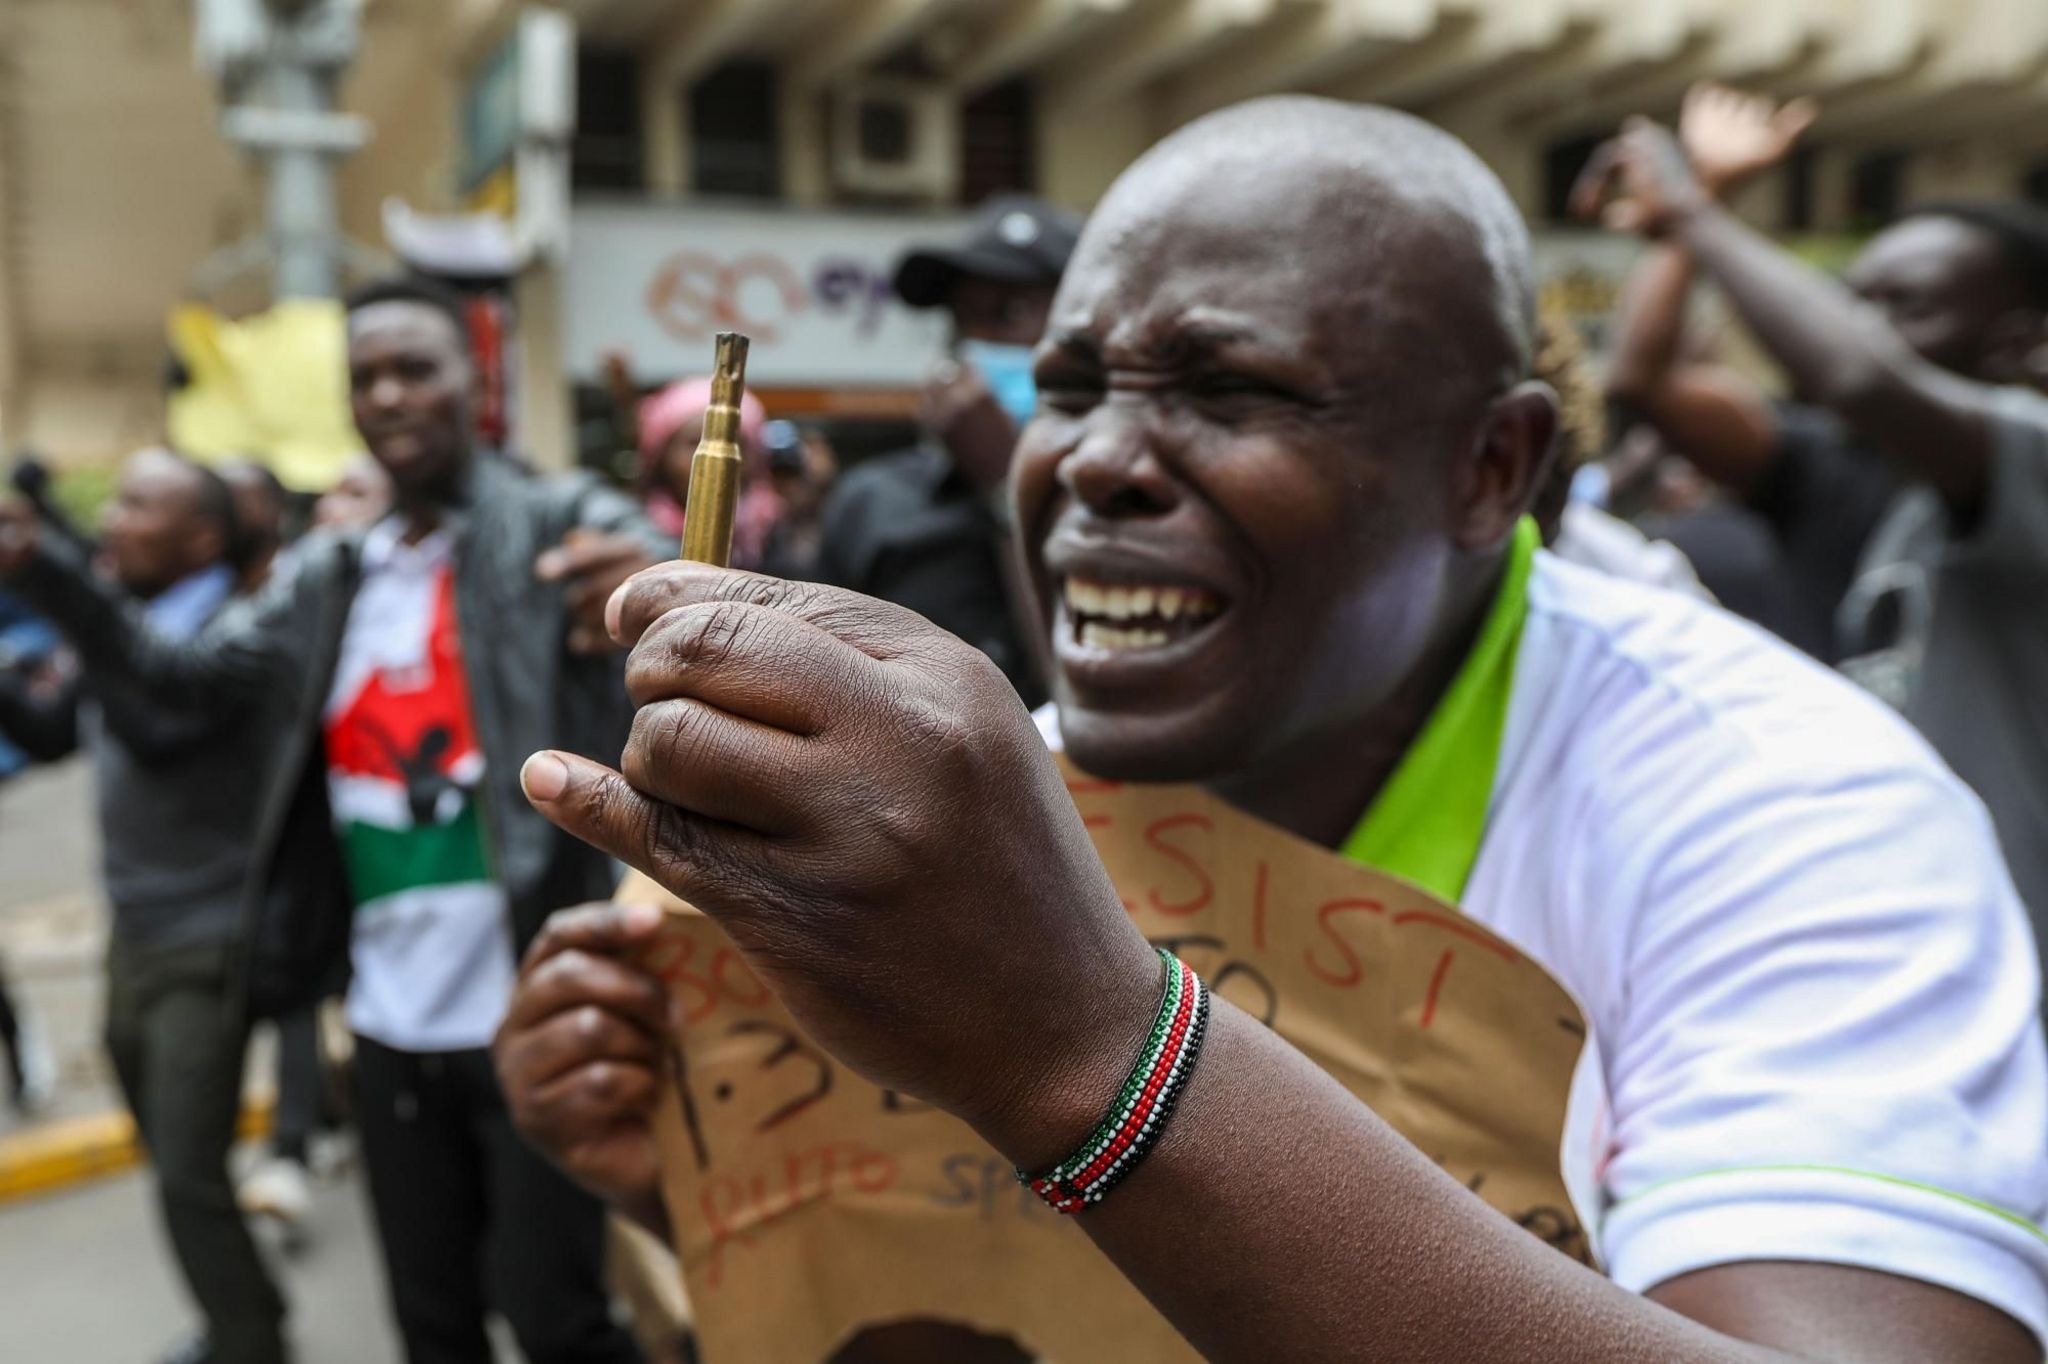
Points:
x=91, y=410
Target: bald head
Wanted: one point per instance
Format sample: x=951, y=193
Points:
x=1333, y=194
x=1286, y=373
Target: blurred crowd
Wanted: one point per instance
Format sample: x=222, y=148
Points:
x=307, y=715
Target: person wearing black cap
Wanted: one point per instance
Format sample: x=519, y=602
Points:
x=926, y=527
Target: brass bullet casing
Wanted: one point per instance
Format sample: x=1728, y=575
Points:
x=715, y=468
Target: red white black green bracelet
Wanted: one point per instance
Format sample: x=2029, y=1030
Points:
x=1137, y=1117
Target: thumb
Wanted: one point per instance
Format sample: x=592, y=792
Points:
x=591, y=801
x=693, y=859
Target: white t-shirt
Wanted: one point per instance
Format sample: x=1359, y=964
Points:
x=432, y=941
x=1809, y=976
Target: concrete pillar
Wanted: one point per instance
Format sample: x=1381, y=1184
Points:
x=806, y=146
x=665, y=133
x=304, y=221
x=1081, y=152
x=1963, y=170
x=1515, y=156
x=545, y=419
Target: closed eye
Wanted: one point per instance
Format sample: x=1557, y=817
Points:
x=1068, y=389
x=1237, y=390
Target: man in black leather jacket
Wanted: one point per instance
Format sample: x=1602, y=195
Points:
x=404, y=673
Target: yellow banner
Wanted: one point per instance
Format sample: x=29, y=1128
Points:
x=273, y=386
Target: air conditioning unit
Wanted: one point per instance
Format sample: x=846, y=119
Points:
x=895, y=138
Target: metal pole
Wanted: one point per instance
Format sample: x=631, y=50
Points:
x=304, y=218
x=290, y=55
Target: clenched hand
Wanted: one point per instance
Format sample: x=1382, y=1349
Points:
x=581, y=1050
x=862, y=803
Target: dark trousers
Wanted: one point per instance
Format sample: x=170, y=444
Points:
x=177, y=1047
x=472, y=1219
x=301, y=1084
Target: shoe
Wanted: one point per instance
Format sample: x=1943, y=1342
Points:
x=197, y=1348
x=35, y=1068
x=194, y=1349
x=276, y=1188
x=330, y=1155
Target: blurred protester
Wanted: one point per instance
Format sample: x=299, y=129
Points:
x=359, y=498
x=928, y=527
x=1303, y=407
x=1576, y=530
x=395, y=679
x=1925, y=469
x=803, y=467
x=1664, y=377
x=261, y=505
x=670, y=424
x=178, y=797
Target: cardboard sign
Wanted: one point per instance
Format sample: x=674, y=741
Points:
x=808, y=1204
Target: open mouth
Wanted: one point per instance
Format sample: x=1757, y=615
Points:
x=1122, y=617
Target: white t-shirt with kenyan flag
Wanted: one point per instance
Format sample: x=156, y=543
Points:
x=432, y=946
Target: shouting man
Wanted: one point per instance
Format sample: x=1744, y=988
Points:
x=1274, y=506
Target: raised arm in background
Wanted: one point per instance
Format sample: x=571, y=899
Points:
x=1712, y=415
x=1839, y=353
x=232, y=664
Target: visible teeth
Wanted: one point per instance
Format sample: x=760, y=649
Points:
x=1096, y=635
x=1117, y=602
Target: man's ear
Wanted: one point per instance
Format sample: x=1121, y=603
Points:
x=1511, y=454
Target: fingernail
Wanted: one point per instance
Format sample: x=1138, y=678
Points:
x=547, y=565
x=544, y=777
x=614, y=609
x=636, y=917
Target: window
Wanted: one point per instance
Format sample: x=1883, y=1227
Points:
x=735, y=133
x=1877, y=184
x=998, y=150
x=1563, y=162
x=1799, y=190
x=2034, y=183
x=606, y=152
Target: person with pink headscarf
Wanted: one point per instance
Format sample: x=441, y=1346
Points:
x=671, y=424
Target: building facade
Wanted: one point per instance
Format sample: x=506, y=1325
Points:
x=755, y=162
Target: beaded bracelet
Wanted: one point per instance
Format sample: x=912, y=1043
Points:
x=1139, y=1113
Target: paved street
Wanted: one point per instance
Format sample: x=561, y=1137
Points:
x=85, y=1279
x=53, y=926
x=84, y=1274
